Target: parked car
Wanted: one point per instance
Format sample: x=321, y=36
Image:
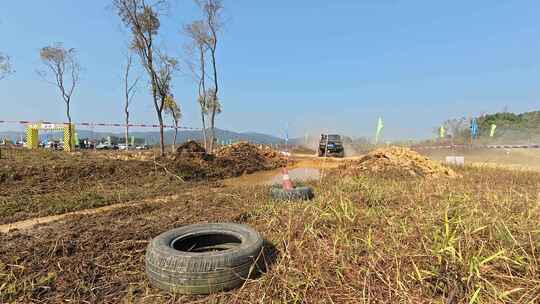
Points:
x=142, y=147
x=125, y=147
x=104, y=146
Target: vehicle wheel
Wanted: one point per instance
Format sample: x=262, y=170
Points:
x=203, y=258
x=298, y=193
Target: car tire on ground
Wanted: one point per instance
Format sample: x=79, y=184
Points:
x=203, y=258
x=298, y=193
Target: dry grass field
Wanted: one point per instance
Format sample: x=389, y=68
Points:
x=366, y=238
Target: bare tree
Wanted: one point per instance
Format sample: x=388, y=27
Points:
x=212, y=14
x=5, y=66
x=457, y=127
x=129, y=91
x=197, y=32
x=166, y=67
x=62, y=65
x=142, y=18
x=5, y=70
x=172, y=109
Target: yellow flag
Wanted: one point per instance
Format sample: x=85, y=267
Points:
x=493, y=127
x=380, y=126
x=442, y=132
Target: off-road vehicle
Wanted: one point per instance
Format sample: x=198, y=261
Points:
x=331, y=145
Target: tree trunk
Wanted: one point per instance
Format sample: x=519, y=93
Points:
x=202, y=87
x=204, y=130
x=212, y=132
x=161, y=137
x=159, y=112
x=175, y=135
x=127, y=127
x=70, y=130
x=215, y=98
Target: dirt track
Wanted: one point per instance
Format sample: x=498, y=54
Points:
x=31, y=223
x=523, y=159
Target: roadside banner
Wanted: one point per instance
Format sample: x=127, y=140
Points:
x=474, y=128
x=442, y=132
x=109, y=142
x=132, y=140
x=380, y=126
x=492, y=132
x=76, y=139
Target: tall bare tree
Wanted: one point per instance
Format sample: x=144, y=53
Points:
x=5, y=66
x=142, y=18
x=172, y=109
x=166, y=66
x=5, y=70
x=197, y=32
x=212, y=10
x=62, y=65
x=129, y=91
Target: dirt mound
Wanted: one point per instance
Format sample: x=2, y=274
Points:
x=191, y=162
x=248, y=158
x=397, y=161
x=190, y=149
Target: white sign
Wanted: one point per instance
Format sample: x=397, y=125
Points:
x=49, y=126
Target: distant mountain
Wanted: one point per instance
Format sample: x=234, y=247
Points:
x=153, y=136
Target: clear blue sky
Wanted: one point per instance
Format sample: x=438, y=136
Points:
x=318, y=65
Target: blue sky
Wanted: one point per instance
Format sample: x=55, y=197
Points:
x=317, y=65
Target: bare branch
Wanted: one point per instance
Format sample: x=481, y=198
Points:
x=213, y=24
x=5, y=66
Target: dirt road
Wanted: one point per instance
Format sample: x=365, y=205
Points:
x=31, y=223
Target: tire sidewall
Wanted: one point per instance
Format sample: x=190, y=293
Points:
x=249, y=248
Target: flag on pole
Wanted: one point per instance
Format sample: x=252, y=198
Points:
x=380, y=126
x=442, y=132
x=492, y=132
x=474, y=128
x=287, y=133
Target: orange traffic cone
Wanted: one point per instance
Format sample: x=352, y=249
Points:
x=287, y=184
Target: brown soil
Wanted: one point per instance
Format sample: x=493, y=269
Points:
x=191, y=149
x=396, y=161
x=229, y=161
x=250, y=158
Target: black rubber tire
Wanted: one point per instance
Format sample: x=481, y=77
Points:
x=187, y=272
x=298, y=193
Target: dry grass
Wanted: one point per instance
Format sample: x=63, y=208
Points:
x=40, y=182
x=362, y=240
